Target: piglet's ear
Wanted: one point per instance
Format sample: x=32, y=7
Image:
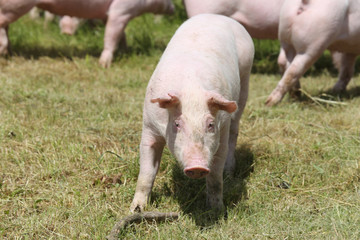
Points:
x=218, y=102
x=171, y=100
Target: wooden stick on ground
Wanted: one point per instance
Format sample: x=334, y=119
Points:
x=137, y=218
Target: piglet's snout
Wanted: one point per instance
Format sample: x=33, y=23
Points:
x=196, y=167
x=196, y=164
x=196, y=172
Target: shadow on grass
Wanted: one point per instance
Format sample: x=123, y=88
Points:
x=191, y=194
x=37, y=51
x=351, y=93
x=328, y=98
x=143, y=45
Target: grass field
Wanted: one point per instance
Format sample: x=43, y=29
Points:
x=70, y=131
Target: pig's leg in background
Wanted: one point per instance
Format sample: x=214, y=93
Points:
x=4, y=38
x=4, y=41
x=297, y=67
x=336, y=59
x=289, y=55
x=214, y=180
x=281, y=61
x=69, y=25
x=114, y=31
x=290, y=78
x=10, y=12
x=34, y=13
x=346, y=71
x=49, y=17
x=150, y=154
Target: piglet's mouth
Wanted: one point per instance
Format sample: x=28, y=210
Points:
x=196, y=172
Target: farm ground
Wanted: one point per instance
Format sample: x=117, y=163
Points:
x=70, y=130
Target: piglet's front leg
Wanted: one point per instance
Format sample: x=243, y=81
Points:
x=214, y=181
x=214, y=194
x=150, y=155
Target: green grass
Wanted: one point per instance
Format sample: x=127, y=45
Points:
x=70, y=131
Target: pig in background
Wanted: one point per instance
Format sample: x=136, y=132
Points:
x=193, y=103
x=116, y=13
x=259, y=17
x=68, y=25
x=309, y=27
x=35, y=14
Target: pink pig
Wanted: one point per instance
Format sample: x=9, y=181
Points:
x=117, y=14
x=259, y=17
x=68, y=25
x=306, y=29
x=193, y=103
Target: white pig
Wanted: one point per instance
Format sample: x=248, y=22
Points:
x=259, y=17
x=306, y=29
x=117, y=14
x=193, y=103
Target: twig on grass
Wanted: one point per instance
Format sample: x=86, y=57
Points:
x=318, y=100
x=102, y=156
x=137, y=218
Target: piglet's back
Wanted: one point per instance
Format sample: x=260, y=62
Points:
x=203, y=46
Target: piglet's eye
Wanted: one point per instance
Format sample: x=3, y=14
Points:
x=177, y=124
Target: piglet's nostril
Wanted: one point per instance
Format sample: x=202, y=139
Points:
x=196, y=172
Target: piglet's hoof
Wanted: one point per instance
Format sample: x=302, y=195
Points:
x=136, y=207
